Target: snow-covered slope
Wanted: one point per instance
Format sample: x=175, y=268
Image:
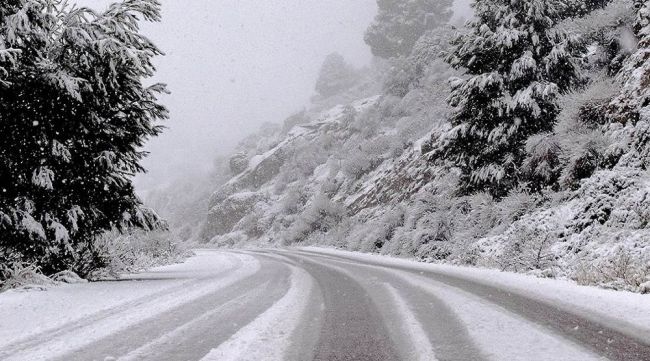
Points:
x=355, y=176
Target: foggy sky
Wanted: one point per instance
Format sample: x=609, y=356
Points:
x=234, y=64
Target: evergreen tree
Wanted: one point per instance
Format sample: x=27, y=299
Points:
x=629, y=111
x=335, y=76
x=575, y=8
x=517, y=65
x=73, y=114
x=635, y=74
x=400, y=23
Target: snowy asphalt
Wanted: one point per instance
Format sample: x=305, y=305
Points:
x=308, y=305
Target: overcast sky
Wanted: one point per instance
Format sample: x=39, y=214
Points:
x=234, y=64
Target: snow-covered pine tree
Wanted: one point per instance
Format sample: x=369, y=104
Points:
x=517, y=65
x=73, y=114
x=630, y=110
x=575, y=8
x=335, y=76
x=635, y=75
x=399, y=24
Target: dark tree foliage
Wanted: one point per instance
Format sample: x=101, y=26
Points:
x=399, y=24
x=577, y=8
x=73, y=115
x=635, y=72
x=516, y=67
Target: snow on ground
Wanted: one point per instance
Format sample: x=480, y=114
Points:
x=268, y=337
x=411, y=335
x=623, y=311
x=334, y=114
x=44, y=321
x=422, y=348
x=500, y=334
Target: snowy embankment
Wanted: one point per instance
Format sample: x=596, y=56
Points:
x=624, y=311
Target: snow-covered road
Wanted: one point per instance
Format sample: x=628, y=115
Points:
x=321, y=304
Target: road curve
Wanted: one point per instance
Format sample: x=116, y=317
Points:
x=306, y=305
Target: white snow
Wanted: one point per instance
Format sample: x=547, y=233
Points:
x=47, y=324
x=149, y=348
x=623, y=311
x=500, y=334
x=268, y=337
x=421, y=346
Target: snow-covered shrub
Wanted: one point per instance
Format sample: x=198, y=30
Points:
x=257, y=222
x=618, y=259
x=401, y=79
x=22, y=275
x=432, y=238
x=136, y=250
x=357, y=164
x=381, y=230
x=306, y=156
x=294, y=198
x=513, y=207
x=578, y=132
x=614, y=198
x=528, y=247
x=482, y=215
x=630, y=142
x=367, y=124
x=319, y=216
x=429, y=223
x=231, y=239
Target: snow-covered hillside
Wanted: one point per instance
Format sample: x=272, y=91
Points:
x=365, y=175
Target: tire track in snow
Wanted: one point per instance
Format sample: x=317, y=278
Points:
x=306, y=337
x=444, y=331
x=501, y=334
x=159, y=348
x=421, y=346
x=407, y=342
x=608, y=342
x=352, y=326
x=35, y=339
x=256, y=293
x=82, y=334
x=269, y=336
